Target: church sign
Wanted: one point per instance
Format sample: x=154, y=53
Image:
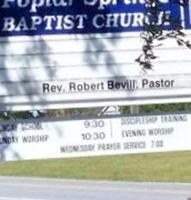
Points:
x=81, y=53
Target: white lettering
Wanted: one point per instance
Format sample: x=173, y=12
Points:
x=138, y=19
x=23, y=3
x=98, y=21
x=81, y=21
x=118, y=20
x=22, y=25
x=112, y=20
x=104, y=3
x=6, y=3
x=90, y=2
x=101, y=3
x=9, y=24
x=49, y=20
x=36, y=4
x=126, y=19
x=68, y=22
x=36, y=21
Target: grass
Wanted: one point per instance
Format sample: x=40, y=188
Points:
x=165, y=167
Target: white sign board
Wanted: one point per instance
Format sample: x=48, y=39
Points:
x=95, y=136
x=82, y=54
x=97, y=72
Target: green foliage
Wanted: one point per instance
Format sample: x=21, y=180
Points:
x=95, y=111
x=15, y=115
x=160, y=108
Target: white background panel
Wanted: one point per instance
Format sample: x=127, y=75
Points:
x=94, y=136
x=28, y=62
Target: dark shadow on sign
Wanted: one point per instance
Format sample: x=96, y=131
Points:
x=7, y=137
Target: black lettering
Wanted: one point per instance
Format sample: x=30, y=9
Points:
x=8, y=140
x=110, y=85
x=46, y=88
x=133, y=133
x=109, y=146
x=134, y=145
x=162, y=83
x=77, y=148
x=145, y=82
x=35, y=138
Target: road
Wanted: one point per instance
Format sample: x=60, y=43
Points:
x=51, y=189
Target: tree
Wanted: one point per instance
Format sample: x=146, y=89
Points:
x=154, y=30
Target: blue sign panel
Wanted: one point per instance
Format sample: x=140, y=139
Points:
x=42, y=17
x=187, y=12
